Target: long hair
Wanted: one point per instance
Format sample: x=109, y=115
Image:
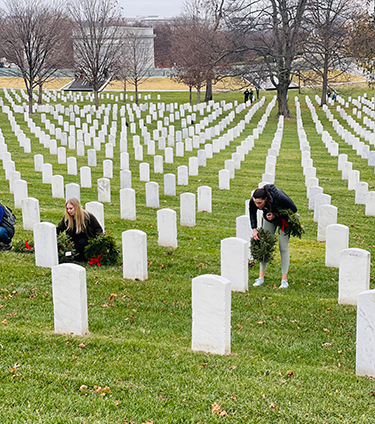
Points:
x=79, y=216
x=263, y=193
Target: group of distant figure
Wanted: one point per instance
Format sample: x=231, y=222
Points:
x=249, y=95
x=334, y=95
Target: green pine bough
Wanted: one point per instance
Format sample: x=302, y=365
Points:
x=106, y=247
x=65, y=248
x=263, y=250
x=289, y=222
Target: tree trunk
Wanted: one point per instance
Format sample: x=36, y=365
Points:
x=40, y=94
x=30, y=93
x=323, y=100
x=198, y=95
x=96, y=99
x=257, y=90
x=190, y=94
x=282, y=99
x=124, y=90
x=208, y=95
x=136, y=91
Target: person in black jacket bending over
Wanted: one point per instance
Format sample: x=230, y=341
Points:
x=271, y=199
x=80, y=225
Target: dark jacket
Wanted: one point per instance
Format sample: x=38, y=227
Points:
x=279, y=200
x=92, y=227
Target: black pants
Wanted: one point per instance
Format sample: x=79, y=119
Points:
x=80, y=242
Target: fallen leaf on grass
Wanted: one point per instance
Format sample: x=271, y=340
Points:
x=290, y=373
x=16, y=375
x=233, y=367
x=217, y=410
x=82, y=345
x=372, y=393
x=239, y=325
x=15, y=367
x=116, y=402
x=326, y=344
x=326, y=330
x=204, y=364
x=273, y=406
x=83, y=387
x=4, y=321
x=261, y=322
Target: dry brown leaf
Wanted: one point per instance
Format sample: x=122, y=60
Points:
x=273, y=406
x=290, y=373
x=204, y=364
x=82, y=345
x=4, y=321
x=83, y=387
x=239, y=325
x=339, y=352
x=326, y=330
x=326, y=344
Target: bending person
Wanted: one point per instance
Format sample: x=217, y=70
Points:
x=270, y=200
x=80, y=225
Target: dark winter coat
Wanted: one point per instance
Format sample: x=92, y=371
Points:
x=279, y=200
x=92, y=228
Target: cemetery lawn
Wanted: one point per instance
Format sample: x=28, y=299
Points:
x=292, y=351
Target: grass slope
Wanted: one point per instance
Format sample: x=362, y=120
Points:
x=293, y=351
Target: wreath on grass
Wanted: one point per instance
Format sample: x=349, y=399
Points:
x=289, y=222
x=102, y=250
x=65, y=248
x=23, y=246
x=263, y=250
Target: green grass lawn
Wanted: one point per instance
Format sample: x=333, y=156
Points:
x=292, y=351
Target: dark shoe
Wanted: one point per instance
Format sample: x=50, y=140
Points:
x=5, y=246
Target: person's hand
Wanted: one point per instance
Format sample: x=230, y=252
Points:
x=255, y=234
x=270, y=216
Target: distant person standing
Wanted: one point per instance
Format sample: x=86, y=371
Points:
x=246, y=95
x=251, y=96
x=334, y=95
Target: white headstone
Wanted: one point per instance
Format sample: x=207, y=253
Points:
x=152, y=194
x=158, y=164
x=127, y=204
x=211, y=313
x=204, y=199
x=187, y=209
x=20, y=192
x=182, y=175
x=361, y=191
x=70, y=299
x=72, y=165
x=354, y=274
x=337, y=239
x=365, y=340
x=224, y=179
x=170, y=185
x=97, y=209
x=134, y=255
x=104, y=190
x=58, y=187
x=327, y=215
x=45, y=244
x=125, y=179
x=47, y=173
x=72, y=190
x=167, y=227
x=30, y=212
x=124, y=160
x=234, y=262
x=107, y=168
x=85, y=176
x=193, y=166
x=320, y=199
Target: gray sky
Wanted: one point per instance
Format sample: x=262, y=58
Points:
x=162, y=8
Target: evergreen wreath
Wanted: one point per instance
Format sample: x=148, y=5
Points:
x=105, y=246
x=66, y=248
x=289, y=222
x=23, y=246
x=263, y=250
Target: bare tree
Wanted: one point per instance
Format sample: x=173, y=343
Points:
x=273, y=30
x=98, y=37
x=136, y=59
x=33, y=34
x=325, y=47
x=162, y=45
x=189, y=60
x=362, y=43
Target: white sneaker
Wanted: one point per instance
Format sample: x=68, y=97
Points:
x=284, y=284
x=258, y=282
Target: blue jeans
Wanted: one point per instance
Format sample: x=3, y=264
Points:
x=4, y=237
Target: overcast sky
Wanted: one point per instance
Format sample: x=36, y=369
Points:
x=161, y=8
